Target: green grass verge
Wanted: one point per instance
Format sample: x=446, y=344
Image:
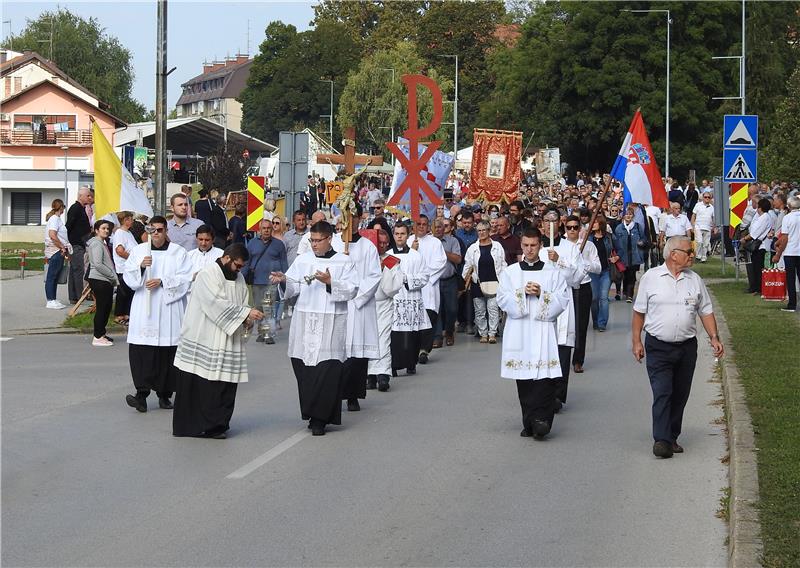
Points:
x=10, y=255
x=765, y=353
x=713, y=268
x=84, y=321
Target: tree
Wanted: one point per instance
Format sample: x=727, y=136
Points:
x=375, y=104
x=285, y=88
x=83, y=50
x=224, y=170
x=580, y=69
x=781, y=156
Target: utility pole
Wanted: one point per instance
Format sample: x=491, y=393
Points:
x=455, y=110
x=161, y=110
x=741, y=61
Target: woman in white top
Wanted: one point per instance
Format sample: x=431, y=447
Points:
x=122, y=241
x=56, y=250
x=484, y=261
x=759, y=229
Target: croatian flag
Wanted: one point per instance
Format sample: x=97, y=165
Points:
x=636, y=168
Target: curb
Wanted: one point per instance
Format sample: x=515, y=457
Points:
x=46, y=331
x=745, y=547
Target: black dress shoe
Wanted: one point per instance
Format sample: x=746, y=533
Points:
x=540, y=429
x=662, y=449
x=677, y=448
x=318, y=431
x=137, y=403
x=394, y=373
x=411, y=371
x=372, y=382
x=577, y=367
x=352, y=405
x=423, y=357
x=165, y=403
x=526, y=433
x=383, y=383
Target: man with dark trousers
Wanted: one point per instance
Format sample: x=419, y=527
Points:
x=79, y=229
x=669, y=300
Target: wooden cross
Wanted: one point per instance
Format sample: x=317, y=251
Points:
x=350, y=158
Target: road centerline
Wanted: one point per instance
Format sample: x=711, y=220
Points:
x=269, y=455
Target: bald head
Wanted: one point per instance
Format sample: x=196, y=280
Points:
x=318, y=216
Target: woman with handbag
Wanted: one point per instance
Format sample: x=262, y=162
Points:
x=756, y=244
x=627, y=242
x=56, y=250
x=102, y=279
x=484, y=261
x=601, y=283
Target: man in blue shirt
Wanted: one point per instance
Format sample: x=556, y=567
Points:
x=267, y=254
x=467, y=235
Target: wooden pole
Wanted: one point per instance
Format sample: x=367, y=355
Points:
x=600, y=201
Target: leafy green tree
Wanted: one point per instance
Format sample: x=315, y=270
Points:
x=375, y=99
x=286, y=89
x=580, y=69
x=83, y=50
x=781, y=157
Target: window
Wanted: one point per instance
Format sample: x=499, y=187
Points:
x=26, y=208
x=216, y=104
x=194, y=108
x=54, y=122
x=17, y=84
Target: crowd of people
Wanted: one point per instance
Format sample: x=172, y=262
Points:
x=367, y=305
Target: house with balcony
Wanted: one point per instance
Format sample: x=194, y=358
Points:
x=213, y=93
x=45, y=136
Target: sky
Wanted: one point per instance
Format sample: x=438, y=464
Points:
x=196, y=32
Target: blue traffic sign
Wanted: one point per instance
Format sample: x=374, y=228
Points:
x=739, y=165
x=740, y=131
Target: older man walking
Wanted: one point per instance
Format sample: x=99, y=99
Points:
x=670, y=299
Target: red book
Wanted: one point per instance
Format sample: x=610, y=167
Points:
x=390, y=262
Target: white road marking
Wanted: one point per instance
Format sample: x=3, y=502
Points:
x=269, y=455
x=6, y=338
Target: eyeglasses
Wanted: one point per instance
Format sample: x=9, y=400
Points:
x=158, y=229
x=573, y=227
x=276, y=222
x=688, y=252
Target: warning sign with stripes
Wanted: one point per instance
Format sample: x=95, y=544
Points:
x=255, y=201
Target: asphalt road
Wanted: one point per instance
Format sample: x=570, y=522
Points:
x=432, y=473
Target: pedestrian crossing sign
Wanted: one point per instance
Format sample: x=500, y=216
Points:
x=740, y=131
x=739, y=166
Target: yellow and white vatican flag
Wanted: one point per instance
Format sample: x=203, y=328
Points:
x=114, y=188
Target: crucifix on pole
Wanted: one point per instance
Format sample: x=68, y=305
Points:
x=350, y=158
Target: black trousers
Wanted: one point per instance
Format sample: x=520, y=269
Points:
x=564, y=352
x=426, y=335
x=670, y=367
x=202, y=406
x=152, y=369
x=792, y=265
x=582, y=299
x=629, y=280
x=76, y=273
x=103, y=299
x=536, y=399
x=122, y=307
x=354, y=377
x=754, y=270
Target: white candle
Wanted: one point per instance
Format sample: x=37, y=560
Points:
x=552, y=235
x=147, y=277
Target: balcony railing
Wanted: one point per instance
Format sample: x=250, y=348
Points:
x=12, y=137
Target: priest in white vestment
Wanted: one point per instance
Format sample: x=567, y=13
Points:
x=324, y=281
x=409, y=317
x=435, y=259
x=564, y=256
x=533, y=295
x=159, y=273
x=205, y=253
x=380, y=368
x=362, y=319
x=211, y=358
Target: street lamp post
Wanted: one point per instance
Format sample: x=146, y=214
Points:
x=455, y=109
x=669, y=25
x=66, y=180
x=330, y=116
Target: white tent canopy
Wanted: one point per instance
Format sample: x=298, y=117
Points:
x=463, y=159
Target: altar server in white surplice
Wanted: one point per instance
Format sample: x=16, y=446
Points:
x=391, y=282
x=435, y=259
x=159, y=273
x=362, y=319
x=211, y=358
x=409, y=317
x=205, y=253
x=324, y=281
x=564, y=256
x=533, y=295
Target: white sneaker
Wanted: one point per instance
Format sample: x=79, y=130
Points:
x=60, y=305
x=54, y=305
x=101, y=342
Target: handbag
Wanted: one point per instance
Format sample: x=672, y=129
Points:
x=489, y=289
x=620, y=266
x=63, y=273
x=752, y=245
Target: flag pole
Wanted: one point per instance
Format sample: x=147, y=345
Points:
x=600, y=201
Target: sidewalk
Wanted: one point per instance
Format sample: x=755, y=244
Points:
x=22, y=304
